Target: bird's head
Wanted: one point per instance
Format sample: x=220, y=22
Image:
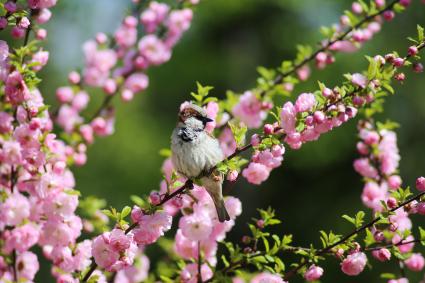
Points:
x=193, y=116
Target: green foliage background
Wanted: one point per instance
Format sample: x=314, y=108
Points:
x=228, y=40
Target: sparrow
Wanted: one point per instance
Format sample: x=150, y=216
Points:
x=195, y=153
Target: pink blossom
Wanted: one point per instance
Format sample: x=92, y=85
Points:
x=288, y=117
x=154, y=50
x=382, y=254
x=233, y=206
x=400, y=280
x=364, y=168
x=415, y=262
x=359, y=80
x=80, y=101
x=188, y=249
x=16, y=90
x=56, y=233
x=190, y=273
x=126, y=36
x=256, y=173
x=154, y=15
x=313, y=273
x=14, y=209
x=197, y=226
x=354, y=264
x=5, y=122
x=232, y=175
x=40, y=4
x=151, y=227
x=68, y=118
x=64, y=94
x=136, y=82
x=41, y=58
x=373, y=195
x=305, y=102
x=11, y=153
x=27, y=266
x=403, y=248
x=266, y=277
x=267, y=158
x=43, y=16
x=249, y=110
x=401, y=220
x=138, y=272
x=98, y=64
x=303, y=73
x=104, y=254
x=388, y=152
x=21, y=238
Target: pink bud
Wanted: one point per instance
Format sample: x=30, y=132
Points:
x=101, y=38
x=391, y=203
x=44, y=16
x=155, y=198
x=10, y=6
x=327, y=92
x=379, y=236
x=24, y=23
x=405, y=3
x=400, y=77
x=420, y=208
x=87, y=133
x=127, y=95
x=413, y=50
x=394, y=182
x=110, y=86
x=319, y=117
x=255, y=140
x=130, y=22
x=232, y=175
x=380, y=3
x=64, y=94
x=351, y=112
x=17, y=32
x=389, y=15
x=362, y=148
x=59, y=167
x=313, y=273
x=418, y=68
x=356, y=8
x=260, y=223
x=41, y=34
x=309, y=120
x=382, y=254
x=74, y=77
x=3, y=23
x=398, y=62
x=268, y=129
x=420, y=184
x=358, y=101
x=415, y=262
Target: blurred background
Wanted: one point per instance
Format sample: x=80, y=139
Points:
x=227, y=41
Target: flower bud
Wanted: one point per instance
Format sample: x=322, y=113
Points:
x=418, y=68
x=268, y=129
x=382, y=254
x=420, y=184
x=398, y=62
x=255, y=140
x=232, y=175
x=389, y=15
x=154, y=198
x=413, y=50
x=313, y=273
x=260, y=223
x=391, y=203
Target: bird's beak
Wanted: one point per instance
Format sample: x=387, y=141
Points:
x=206, y=120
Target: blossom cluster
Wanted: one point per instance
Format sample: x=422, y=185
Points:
x=378, y=165
x=117, y=66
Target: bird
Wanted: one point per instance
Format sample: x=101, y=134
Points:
x=195, y=154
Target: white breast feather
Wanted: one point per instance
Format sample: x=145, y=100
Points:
x=191, y=158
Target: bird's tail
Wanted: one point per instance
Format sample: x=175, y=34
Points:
x=213, y=186
x=222, y=213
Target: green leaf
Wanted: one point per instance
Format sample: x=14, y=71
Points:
x=238, y=132
x=165, y=152
x=422, y=235
x=420, y=33
x=125, y=211
x=138, y=200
